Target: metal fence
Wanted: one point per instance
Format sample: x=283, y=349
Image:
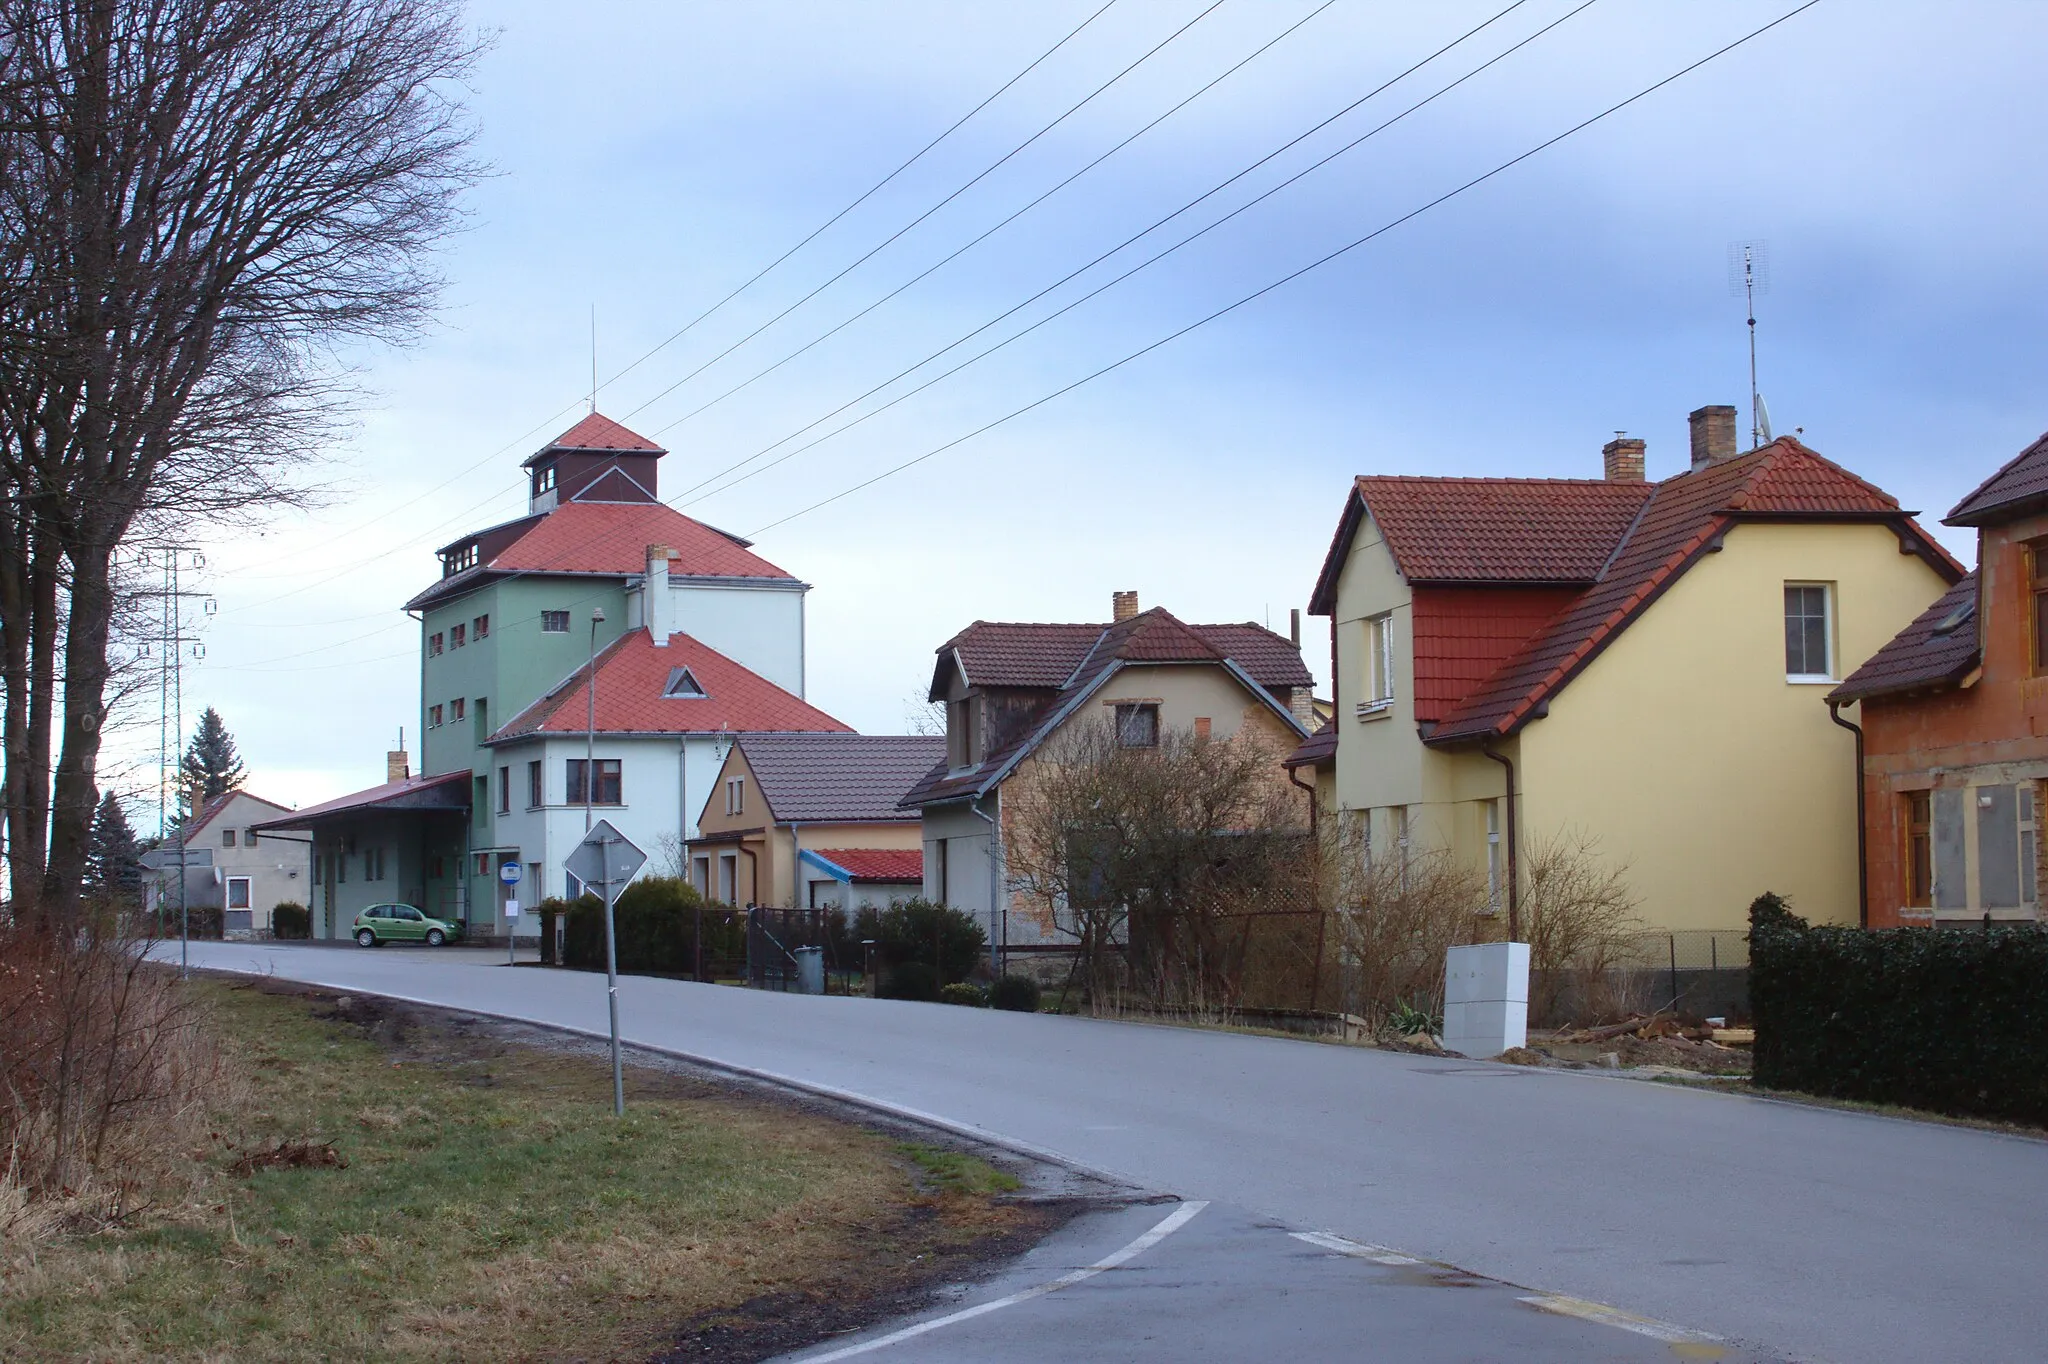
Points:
x=776, y=936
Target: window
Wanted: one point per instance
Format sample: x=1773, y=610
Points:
x=1807, y=656
x=458, y=635
x=248, y=838
x=735, y=795
x=457, y=708
x=238, y=892
x=607, y=789
x=944, y=891
x=1137, y=725
x=682, y=683
x=533, y=789
x=504, y=790
x=227, y=838
x=482, y=626
x=1919, y=849
x=1379, y=664
x=543, y=479
x=433, y=717
x=1493, y=877
x=2037, y=574
x=728, y=878
x=700, y=875
x=554, y=622
x=457, y=559
x=434, y=644
x=483, y=718
x=483, y=864
x=963, y=732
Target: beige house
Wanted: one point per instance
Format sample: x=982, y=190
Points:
x=1642, y=664
x=1012, y=689
x=812, y=821
x=252, y=871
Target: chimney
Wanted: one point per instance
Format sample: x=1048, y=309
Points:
x=657, y=607
x=1294, y=626
x=395, y=766
x=1623, y=459
x=1713, y=435
x=1122, y=605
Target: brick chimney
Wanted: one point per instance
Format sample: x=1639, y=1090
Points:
x=1713, y=435
x=657, y=607
x=1122, y=605
x=1622, y=458
x=395, y=766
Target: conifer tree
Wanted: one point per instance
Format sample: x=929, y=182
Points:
x=112, y=863
x=211, y=766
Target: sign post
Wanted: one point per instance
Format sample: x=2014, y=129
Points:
x=606, y=860
x=509, y=874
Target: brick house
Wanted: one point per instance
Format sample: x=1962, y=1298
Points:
x=1012, y=688
x=1954, y=719
x=1642, y=663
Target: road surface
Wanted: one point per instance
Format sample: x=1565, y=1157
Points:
x=1810, y=1233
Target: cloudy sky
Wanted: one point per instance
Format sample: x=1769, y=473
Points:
x=649, y=159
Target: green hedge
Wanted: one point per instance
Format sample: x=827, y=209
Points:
x=949, y=941
x=290, y=919
x=656, y=922
x=1949, y=1020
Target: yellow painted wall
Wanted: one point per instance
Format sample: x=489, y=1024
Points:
x=1379, y=756
x=1686, y=752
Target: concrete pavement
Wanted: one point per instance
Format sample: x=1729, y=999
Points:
x=1808, y=1232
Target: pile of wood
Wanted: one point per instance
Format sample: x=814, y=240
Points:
x=1662, y=1027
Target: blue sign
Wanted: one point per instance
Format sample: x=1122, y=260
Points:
x=509, y=873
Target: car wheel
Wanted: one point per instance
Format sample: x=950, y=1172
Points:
x=365, y=938
x=435, y=937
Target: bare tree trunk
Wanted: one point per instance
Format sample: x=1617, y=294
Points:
x=76, y=796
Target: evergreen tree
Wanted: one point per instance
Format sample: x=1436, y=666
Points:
x=112, y=864
x=211, y=766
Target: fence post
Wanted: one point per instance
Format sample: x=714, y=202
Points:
x=1673, y=939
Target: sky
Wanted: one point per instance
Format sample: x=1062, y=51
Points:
x=648, y=160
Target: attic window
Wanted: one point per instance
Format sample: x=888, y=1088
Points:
x=543, y=479
x=682, y=682
x=455, y=560
x=1956, y=618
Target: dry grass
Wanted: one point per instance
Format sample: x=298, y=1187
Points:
x=491, y=1208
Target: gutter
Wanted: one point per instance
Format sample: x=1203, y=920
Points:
x=1862, y=820
x=995, y=879
x=1514, y=859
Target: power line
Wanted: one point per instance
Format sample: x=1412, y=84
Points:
x=1013, y=217
x=1142, y=265
x=752, y=280
x=1297, y=274
x=978, y=178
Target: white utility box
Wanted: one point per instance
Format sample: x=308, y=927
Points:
x=1486, y=998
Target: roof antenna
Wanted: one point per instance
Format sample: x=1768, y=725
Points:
x=1749, y=273
x=593, y=357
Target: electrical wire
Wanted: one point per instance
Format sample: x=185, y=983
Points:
x=1298, y=273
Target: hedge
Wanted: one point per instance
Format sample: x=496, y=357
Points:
x=1949, y=1020
x=290, y=920
x=949, y=941
x=656, y=922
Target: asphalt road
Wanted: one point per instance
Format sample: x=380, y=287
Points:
x=1797, y=1231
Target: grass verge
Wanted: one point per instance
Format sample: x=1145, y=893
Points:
x=490, y=1207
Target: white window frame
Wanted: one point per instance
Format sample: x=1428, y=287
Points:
x=1379, y=666
x=554, y=622
x=736, y=795
x=1493, y=868
x=1827, y=599
x=248, y=885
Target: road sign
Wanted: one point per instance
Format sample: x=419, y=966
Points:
x=509, y=873
x=511, y=909
x=605, y=860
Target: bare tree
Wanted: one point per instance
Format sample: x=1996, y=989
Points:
x=1397, y=914
x=1579, y=915
x=200, y=202
x=1145, y=853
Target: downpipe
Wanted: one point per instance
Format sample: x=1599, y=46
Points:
x=1862, y=819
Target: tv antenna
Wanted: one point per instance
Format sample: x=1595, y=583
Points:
x=1749, y=274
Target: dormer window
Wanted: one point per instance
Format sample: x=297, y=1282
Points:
x=457, y=559
x=963, y=732
x=683, y=683
x=543, y=479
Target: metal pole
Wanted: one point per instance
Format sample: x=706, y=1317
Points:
x=590, y=730
x=611, y=976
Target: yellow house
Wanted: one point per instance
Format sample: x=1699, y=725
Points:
x=1641, y=664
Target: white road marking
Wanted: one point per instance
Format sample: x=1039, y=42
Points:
x=1380, y=1255
x=1614, y=1316
x=1172, y=1223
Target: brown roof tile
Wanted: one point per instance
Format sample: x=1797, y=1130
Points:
x=2020, y=486
x=852, y=777
x=1937, y=649
x=1045, y=654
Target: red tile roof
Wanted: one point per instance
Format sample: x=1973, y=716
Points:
x=1937, y=649
x=876, y=864
x=598, y=432
x=632, y=676
x=1684, y=517
x=2019, y=487
x=612, y=537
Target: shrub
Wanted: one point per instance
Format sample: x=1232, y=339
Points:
x=290, y=919
x=911, y=980
x=655, y=919
x=1018, y=994
x=1941, y=1019
x=964, y=992
x=944, y=939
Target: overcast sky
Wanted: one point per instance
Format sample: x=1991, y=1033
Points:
x=651, y=158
